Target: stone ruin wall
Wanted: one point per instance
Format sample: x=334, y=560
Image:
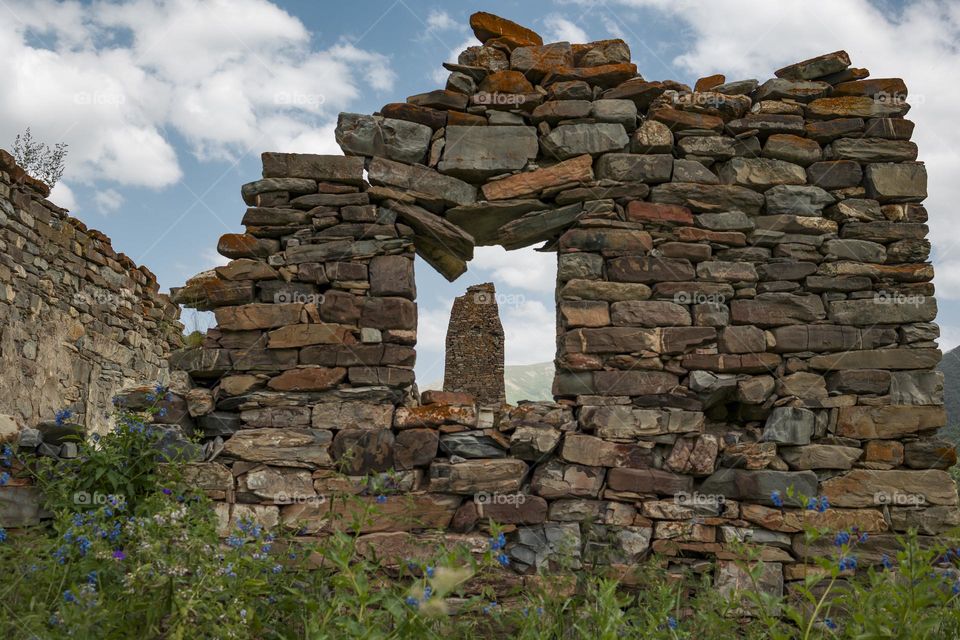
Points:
x=78, y=321
x=745, y=307
x=474, y=347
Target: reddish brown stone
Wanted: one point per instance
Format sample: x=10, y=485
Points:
x=487, y=26
x=433, y=118
x=308, y=379
x=415, y=448
x=640, y=211
x=681, y=120
x=574, y=170
x=506, y=82
x=709, y=82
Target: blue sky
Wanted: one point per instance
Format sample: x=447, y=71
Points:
x=166, y=105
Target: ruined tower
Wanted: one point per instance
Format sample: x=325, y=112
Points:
x=474, y=362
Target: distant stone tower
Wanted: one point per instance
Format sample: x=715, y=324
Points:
x=474, y=362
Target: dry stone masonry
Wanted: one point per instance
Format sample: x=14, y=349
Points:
x=474, y=358
x=745, y=316
x=78, y=321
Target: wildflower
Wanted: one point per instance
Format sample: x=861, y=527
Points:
x=243, y=614
x=885, y=560
x=503, y=560
x=848, y=562
x=68, y=596
x=862, y=537
x=824, y=504
x=3, y=534
x=162, y=412
x=956, y=588
x=830, y=624
x=166, y=491
x=430, y=572
x=413, y=602
x=61, y=417
x=776, y=499
x=235, y=542
x=159, y=389
x=4, y=478
x=498, y=543
x=381, y=499
x=119, y=555
x=277, y=568
x=841, y=539
x=812, y=504
x=151, y=397
x=672, y=622
x=427, y=592
x=490, y=607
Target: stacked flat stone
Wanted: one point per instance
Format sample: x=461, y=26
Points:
x=79, y=320
x=745, y=313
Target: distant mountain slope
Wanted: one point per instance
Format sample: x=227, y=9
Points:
x=522, y=382
x=950, y=365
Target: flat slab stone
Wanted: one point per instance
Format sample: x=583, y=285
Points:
x=400, y=140
x=477, y=153
x=422, y=183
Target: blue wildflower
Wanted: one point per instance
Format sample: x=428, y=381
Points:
x=427, y=592
x=824, y=504
x=68, y=596
x=841, y=539
x=235, y=542
x=277, y=568
x=4, y=478
x=503, y=560
x=776, y=499
x=3, y=534
x=430, y=572
x=162, y=412
x=381, y=499
x=672, y=622
x=61, y=417
x=413, y=602
x=885, y=560
x=151, y=397
x=862, y=537
x=490, y=607
x=848, y=562
x=92, y=578
x=830, y=623
x=159, y=389
x=812, y=504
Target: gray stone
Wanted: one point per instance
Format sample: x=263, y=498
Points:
x=693, y=171
x=569, y=140
x=758, y=485
x=761, y=173
x=789, y=425
x=362, y=135
x=857, y=250
x=467, y=444
x=916, y=387
x=652, y=137
x=904, y=182
x=432, y=188
x=477, y=153
x=798, y=200
x=866, y=150
x=618, y=111
x=725, y=221
x=707, y=198
x=628, y=167
x=798, y=90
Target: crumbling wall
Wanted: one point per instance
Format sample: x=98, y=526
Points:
x=745, y=315
x=78, y=321
x=474, y=347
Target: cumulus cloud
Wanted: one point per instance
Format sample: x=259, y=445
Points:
x=108, y=201
x=916, y=41
x=63, y=196
x=561, y=29
x=523, y=268
x=117, y=81
x=438, y=20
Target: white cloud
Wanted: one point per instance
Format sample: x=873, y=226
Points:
x=560, y=29
x=523, y=268
x=62, y=196
x=108, y=201
x=439, y=74
x=916, y=41
x=530, y=332
x=117, y=80
x=438, y=20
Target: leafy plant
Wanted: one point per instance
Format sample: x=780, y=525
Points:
x=38, y=159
